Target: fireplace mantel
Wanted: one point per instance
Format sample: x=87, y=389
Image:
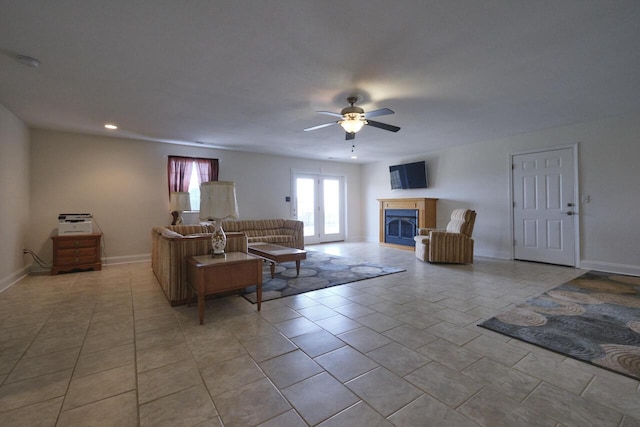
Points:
x=426, y=214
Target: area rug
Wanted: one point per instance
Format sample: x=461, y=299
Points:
x=594, y=318
x=320, y=270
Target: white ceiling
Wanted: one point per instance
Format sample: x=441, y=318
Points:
x=249, y=75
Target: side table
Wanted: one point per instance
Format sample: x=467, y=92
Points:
x=207, y=274
x=76, y=252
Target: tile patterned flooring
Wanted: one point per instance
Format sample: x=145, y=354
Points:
x=105, y=348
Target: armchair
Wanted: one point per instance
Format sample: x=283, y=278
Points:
x=453, y=245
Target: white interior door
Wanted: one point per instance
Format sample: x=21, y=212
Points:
x=544, y=207
x=319, y=204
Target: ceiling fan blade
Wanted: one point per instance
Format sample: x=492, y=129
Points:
x=330, y=113
x=349, y=136
x=383, y=126
x=380, y=112
x=320, y=126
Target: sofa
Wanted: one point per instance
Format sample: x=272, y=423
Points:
x=283, y=232
x=172, y=244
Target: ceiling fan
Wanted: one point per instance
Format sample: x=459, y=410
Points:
x=353, y=118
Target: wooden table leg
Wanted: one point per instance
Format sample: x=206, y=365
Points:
x=259, y=284
x=259, y=295
x=201, y=307
x=272, y=266
x=297, y=267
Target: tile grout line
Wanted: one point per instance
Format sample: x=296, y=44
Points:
x=204, y=383
x=75, y=365
x=135, y=343
x=22, y=356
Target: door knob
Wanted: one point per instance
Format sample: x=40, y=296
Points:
x=570, y=213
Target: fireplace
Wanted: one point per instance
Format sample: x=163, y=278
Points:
x=421, y=214
x=400, y=226
x=400, y=219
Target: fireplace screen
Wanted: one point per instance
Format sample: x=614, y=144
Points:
x=400, y=226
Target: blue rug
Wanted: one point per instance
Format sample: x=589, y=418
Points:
x=320, y=270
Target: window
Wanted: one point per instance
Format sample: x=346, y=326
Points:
x=181, y=176
x=194, y=192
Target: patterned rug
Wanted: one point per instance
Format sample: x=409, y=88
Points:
x=320, y=270
x=594, y=318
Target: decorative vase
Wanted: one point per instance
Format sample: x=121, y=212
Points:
x=218, y=238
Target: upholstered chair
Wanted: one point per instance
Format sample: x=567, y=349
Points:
x=453, y=245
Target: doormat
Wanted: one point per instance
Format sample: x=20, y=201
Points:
x=320, y=270
x=594, y=318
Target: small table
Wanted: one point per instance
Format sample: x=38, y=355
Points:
x=207, y=274
x=276, y=254
x=76, y=252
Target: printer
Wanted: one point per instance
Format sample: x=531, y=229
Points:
x=74, y=223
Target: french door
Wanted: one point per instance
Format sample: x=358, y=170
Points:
x=545, y=221
x=319, y=203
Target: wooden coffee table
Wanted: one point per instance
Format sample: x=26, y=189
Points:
x=276, y=254
x=207, y=274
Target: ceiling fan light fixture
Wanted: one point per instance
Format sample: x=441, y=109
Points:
x=352, y=118
x=352, y=122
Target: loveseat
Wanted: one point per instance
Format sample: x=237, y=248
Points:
x=172, y=244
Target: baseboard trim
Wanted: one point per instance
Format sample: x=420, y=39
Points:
x=106, y=261
x=128, y=259
x=610, y=267
x=14, y=278
x=494, y=255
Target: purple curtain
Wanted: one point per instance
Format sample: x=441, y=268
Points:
x=179, y=173
x=207, y=169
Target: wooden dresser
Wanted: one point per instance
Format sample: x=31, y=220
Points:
x=76, y=253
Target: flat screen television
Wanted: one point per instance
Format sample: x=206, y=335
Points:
x=408, y=175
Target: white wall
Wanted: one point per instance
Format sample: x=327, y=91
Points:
x=477, y=176
x=123, y=183
x=14, y=194
x=459, y=178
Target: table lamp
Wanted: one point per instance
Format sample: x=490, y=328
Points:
x=178, y=202
x=218, y=202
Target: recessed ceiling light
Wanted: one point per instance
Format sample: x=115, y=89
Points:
x=354, y=157
x=110, y=126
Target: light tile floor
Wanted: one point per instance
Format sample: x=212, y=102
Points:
x=105, y=348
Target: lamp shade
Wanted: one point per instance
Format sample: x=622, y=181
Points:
x=218, y=200
x=179, y=201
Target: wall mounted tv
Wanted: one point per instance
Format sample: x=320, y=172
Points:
x=408, y=175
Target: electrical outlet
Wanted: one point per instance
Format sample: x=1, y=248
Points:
x=586, y=198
